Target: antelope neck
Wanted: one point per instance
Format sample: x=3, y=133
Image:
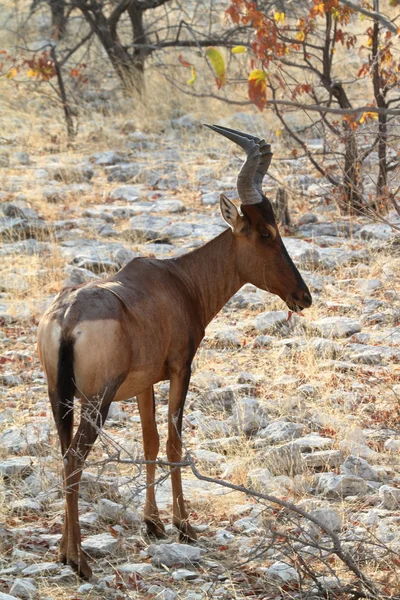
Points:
x=211, y=274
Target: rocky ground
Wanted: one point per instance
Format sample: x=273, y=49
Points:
x=307, y=409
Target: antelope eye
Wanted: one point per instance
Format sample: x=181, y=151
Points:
x=266, y=235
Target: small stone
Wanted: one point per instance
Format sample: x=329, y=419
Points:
x=391, y=445
x=85, y=588
x=263, y=341
x=22, y=158
x=20, y=466
x=174, y=554
x=25, y=506
x=161, y=593
x=260, y=479
x=210, y=199
x=333, y=486
x=282, y=574
x=224, y=537
x=2, y=595
x=212, y=428
x=114, y=512
x=390, y=497
x=138, y=568
x=313, y=441
x=323, y=459
x=354, y=465
x=29, y=439
x=247, y=417
x=213, y=459
x=327, y=517
x=10, y=379
x=41, y=569
x=281, y=431
x=23, y=588
x=228, y=338
x=336, y=327
x=100, y=545
x=245, y=377
x=184, y=575
x=272, y=321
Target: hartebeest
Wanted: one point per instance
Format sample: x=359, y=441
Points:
x=114, y=339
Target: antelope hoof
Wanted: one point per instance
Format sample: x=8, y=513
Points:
x=187, y=534
x=79, y=564
x=155, y=528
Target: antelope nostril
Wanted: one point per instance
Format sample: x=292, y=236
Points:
x=306, y=299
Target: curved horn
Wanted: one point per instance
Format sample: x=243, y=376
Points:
x=259, y=155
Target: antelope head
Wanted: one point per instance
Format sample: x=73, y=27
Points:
x=262, y=258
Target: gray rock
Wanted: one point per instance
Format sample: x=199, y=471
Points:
x=107, y=158
x=390, y=497
x=2, y=595
x=272, y=321
x=260, y=479
x=31, y=439
x=212, y=428
x=86, y=588
x=139, y=568
x=283, y=575
x=307, y=218
x=100, y=545
x=354, y=465
x=41, y=569
x=327, y=517
x=184, y=575
x=323, y=459
x=247, y=417
x=23, y=588
x=263, y=341
x=20, y=466
x=112, y=511
x=304, y=254
x=174, y=554
x=224, y=537
x=326, y=348
x=123, y=172
x=25, y=506
x=71, y=174
x=336, y=327
x=333, y=486
x=9, y=380
x=22, y=158
x=206, y=380
x=163, y=593
x=281, y=431
x=186, y=122
x=225, y=445
x=312, y=441
x=209, y=458
x=391, y=445
x=376, y=231
x=210, y=198
x=129, y=193
x=227, y=338
x=285, y=460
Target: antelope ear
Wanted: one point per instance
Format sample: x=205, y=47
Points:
x=230, y=213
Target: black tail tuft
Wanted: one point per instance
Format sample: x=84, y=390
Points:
x=66, y=386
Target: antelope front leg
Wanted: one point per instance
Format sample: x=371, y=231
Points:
x=179, y=383
x=151, y=444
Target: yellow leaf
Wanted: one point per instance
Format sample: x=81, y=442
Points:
x=238, y=50
x=278, y=132
x=369, y=43
x=258, y=75
x=193, y=77
x=11, y=73
x=279, y=17
x=370, y=115
x=217, y=61
x=301, y=36
x=31, y=73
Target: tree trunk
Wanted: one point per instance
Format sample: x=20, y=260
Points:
x=352, y=195
x=58, y=19
x=382, y=181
